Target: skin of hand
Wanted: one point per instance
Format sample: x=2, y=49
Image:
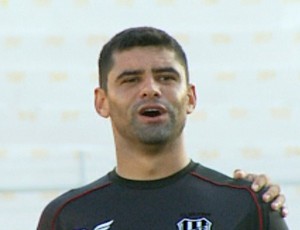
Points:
x=272, y=194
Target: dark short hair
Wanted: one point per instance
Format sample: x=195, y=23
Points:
x=137, y=37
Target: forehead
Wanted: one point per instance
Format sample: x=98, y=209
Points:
x=145, y=57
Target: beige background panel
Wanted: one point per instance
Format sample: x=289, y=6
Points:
x=244, y=62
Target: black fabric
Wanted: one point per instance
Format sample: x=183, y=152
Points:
x=194, y=198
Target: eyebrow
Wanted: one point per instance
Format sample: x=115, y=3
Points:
x=166, y=69
x=139, y=72
x=129, y=73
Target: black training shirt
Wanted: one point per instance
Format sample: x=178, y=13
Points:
x=195, y=198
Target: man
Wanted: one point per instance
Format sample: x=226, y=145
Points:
x=145, y=91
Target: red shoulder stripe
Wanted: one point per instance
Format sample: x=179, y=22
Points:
x=252, y=193
x=72, y=199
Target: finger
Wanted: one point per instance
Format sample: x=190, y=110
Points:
x=250, y=177
x=272, y=193
x=259, y=182
x=239, y=174
x=278, y=203
x=284, y=211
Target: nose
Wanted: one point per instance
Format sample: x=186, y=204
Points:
x=150, y=88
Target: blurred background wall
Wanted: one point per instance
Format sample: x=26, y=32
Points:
x=244, y=58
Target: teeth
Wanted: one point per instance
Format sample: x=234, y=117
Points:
x=151, y=110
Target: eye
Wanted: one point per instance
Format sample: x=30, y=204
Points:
x=131, y=79
x=167, y=78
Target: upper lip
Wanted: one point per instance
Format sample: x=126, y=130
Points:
x=152, y=108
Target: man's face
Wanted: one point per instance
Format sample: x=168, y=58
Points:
x=148, y=97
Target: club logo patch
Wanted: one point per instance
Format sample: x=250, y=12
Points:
x=104, y=226
x=194, y=224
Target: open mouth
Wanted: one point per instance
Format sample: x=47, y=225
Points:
x=151, y=112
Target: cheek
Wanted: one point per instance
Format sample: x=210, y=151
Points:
x=181, y=97
x=179, y=104
x=183, y=103
x=120, y=107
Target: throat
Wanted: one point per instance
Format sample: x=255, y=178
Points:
x=150, y=167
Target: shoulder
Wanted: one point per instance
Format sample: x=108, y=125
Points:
x=217, y=178
x=55, y=207
x=224, y=187
x=267, y=218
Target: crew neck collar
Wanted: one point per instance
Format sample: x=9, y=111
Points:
x=151, y=184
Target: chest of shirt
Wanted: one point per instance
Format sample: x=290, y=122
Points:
x=183, y=207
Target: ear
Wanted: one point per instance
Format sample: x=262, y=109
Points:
x=101, y=103
x=192, y=98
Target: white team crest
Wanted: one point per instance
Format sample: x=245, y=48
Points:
x=104, y=226
x=194, y=224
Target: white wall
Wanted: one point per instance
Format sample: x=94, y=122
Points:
x=244, y=59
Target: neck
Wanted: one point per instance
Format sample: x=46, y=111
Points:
x=144, y=162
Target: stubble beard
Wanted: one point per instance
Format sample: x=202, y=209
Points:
x=161, y=133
